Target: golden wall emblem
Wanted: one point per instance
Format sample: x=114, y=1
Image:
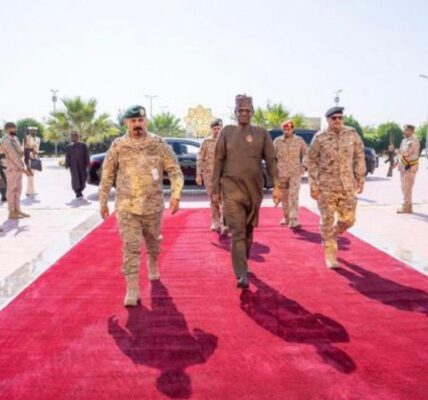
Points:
x=198, y=121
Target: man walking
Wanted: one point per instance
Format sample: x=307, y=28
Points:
x=291, y=155
x=204, y=173
x=135, y=163
x=336, y=173
x=408, y=165
x=77, y=160
x=390, y=154
x=238, y=180
x=15, y=168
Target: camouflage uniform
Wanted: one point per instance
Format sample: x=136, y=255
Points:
x=336, y=166
x=14, y=169
x=136, y=168
x=291, y=156
x=205, y=169
x=408, y=165
x=31, y=150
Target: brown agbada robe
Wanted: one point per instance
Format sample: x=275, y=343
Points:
x=238, y=166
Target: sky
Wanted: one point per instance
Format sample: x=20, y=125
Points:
x=191, y=52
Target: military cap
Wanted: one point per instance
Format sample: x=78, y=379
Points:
x=134, y=112
x=216, y=122
x=289, y=123
x=409, y=126
x=334, y=110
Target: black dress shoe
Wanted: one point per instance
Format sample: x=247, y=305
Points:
x=243, y=283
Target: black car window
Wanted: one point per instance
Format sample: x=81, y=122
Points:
x=174, y=146
x=188, y=148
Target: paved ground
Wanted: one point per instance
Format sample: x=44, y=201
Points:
x=29, y=246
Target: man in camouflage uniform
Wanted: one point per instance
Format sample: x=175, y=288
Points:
x=135, y=163
x=15, y=168
x=31, y=145
x=204, y=173
x=408, y=164
x=336, y=173
x=291, y=155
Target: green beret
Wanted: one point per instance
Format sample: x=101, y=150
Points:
x=135, y=112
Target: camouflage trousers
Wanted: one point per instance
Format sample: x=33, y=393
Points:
x=337, y=211
x=14, y=190
x=407, y=182
x=290, y=188
x=133, y=229
x=216, y=212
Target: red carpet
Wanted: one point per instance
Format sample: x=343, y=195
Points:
x=301, y=332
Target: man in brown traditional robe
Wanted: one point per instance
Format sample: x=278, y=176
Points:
x=238, y=180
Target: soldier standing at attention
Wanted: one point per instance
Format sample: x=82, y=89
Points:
x=204, y=173
x=238, y=180
x=408, y=165
x=31, y=151
x=15, y=168
x=336, y=173
x=291, y=155
x=135, y=163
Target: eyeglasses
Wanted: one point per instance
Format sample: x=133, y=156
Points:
x=337, y=117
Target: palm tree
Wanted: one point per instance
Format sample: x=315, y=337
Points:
x=165, y=124
x=271, y=117
x=299, y=120
x=79, y=116
x=259, y=117
x=276, y=114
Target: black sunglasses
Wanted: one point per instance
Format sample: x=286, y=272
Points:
x=337, y=117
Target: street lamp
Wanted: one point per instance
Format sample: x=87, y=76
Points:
x=426, y=136
x=151, y=97
x=54, y=99
x=336, y=97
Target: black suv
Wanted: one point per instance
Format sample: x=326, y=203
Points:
x=185, y=149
